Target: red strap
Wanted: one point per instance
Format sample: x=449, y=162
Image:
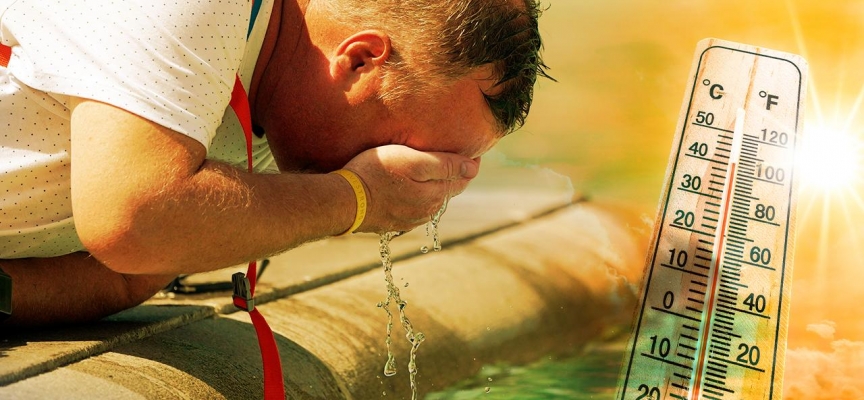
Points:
x=5, y=55
x=240, y=103
x=274, y=387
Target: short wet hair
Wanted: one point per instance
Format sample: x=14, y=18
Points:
x=439, y=40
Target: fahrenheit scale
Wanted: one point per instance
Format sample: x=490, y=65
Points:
x=713, y=317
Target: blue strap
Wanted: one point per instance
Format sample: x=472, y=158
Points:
x=256, y=6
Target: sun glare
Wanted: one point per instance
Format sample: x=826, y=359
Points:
x=830, y=159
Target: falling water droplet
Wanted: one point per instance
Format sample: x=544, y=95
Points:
x=424, y=249
x=487, y=389
x=390, y=366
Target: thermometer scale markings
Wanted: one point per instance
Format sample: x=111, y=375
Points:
x=712, y=321
x=718, y=242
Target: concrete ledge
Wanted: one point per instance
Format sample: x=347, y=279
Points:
x=28, y=353
x=545, y=286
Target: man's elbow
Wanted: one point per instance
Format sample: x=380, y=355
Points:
x=117, y=240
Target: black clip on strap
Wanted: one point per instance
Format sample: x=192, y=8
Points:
x=242, y=292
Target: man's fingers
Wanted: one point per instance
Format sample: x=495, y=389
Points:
x=445, y=166
x=469, y=169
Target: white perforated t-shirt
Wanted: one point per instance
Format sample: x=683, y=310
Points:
x=170, y=62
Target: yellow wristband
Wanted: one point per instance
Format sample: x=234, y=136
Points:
x=359, y=194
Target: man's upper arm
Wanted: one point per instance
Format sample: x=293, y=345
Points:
x=173, y=64
x=120, y=164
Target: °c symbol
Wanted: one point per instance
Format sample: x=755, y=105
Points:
x=716, y=91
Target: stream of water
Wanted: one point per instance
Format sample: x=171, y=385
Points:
x=415, y=338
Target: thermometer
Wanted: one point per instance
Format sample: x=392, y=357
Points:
x=714, y=307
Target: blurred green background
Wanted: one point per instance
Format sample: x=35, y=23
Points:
x=608, y=123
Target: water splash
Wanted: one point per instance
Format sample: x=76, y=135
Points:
x=415, y=338
x=393, y=295
x=433, y=226
x=436, y=241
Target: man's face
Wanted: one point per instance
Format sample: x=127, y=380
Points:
x=454, y=119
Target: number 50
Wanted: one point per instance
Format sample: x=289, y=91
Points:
x=703, y=117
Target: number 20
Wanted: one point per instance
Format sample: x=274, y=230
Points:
x=648, y=392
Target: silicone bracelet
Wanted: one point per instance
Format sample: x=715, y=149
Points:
x=359, y=194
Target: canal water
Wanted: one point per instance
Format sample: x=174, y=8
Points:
x=592, y=374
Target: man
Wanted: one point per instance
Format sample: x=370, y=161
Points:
x=114, y=115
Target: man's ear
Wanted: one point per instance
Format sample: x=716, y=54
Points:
x=358, y=59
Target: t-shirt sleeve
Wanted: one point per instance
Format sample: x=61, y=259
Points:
x=171, y=62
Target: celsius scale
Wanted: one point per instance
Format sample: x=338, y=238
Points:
x=714, y=308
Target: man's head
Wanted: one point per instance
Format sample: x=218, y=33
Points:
x=440, y=41
x=436, y=75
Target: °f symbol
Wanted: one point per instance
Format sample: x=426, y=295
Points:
x=770, y=99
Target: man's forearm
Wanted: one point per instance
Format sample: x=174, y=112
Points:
x=72, y=288
x=146, y=201
x=221, y=216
